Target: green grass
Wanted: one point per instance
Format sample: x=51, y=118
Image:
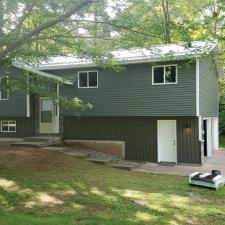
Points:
x=222, y=141
x=49, y=188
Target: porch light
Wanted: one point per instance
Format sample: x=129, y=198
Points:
x=187, y=124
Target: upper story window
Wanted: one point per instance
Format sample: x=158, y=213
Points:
x=4, y=92
x=88, y=79
x=166, y=74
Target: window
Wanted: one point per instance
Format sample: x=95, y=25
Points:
x=8, y=126
x=4, y=92
x=166, y=74
x=88, y=79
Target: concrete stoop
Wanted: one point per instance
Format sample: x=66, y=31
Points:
x=78, y=153
x=30, y=144
x=103, y=160
x=38, y=141
x=125, y=165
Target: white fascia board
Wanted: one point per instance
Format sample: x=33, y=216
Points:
x=120, y=62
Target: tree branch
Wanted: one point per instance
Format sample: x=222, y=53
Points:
x=115, y=25
x=26, y=12
x=22, y=40
x=69, y=37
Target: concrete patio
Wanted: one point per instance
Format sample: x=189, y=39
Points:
x=217, y=161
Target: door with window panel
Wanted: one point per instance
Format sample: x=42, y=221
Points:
x=48, y=116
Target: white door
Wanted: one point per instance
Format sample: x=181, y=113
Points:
x=167, y=141
x=49, y=116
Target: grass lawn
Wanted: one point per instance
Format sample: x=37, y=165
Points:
x=49, y=188
x=222, y=141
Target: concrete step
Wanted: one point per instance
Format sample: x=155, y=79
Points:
x=125, y=165
x=30, y=144
x=82, y=155
x=103, y=160
x=49, y=139
x=53, y=148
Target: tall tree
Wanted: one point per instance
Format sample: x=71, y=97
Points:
x=24, y=23
x=166, y=15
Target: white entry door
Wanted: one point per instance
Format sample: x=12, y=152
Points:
x=49, y=116
x=167, y=141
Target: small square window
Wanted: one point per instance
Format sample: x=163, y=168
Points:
x=166, y=74
x=88, y=79
x=8, y=126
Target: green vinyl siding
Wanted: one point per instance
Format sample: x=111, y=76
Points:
x=208, y=88
x=139, y=134
x=16, y=105
x=131, y=93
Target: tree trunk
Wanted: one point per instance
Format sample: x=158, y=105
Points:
x=166, y=15
x=1, y=24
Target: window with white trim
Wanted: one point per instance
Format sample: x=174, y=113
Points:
x=8, y=126
x=166, y=74
x=4, y=92
x=88, y=79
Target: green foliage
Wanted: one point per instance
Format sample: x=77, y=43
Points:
x=45, y=87
x=222, y=105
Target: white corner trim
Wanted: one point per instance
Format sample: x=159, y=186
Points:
x=200, y=128
x=28, y=105
x=197, y=86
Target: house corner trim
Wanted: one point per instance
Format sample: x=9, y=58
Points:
x=197, y=86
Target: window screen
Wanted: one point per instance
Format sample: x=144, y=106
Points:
x=159, y=75
x=83, y=79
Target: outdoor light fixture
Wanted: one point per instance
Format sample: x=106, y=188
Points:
x=187, y=125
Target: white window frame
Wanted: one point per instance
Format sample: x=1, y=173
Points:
x=8, y=121
x=89, y=71
x=164, y=77
x=4, y=99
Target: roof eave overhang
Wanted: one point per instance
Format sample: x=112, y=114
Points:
x=41, y=73
x=120, y=62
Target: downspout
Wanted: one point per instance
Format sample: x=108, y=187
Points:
x=198, y=109
x=197, y=98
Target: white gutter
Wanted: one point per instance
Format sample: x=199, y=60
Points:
x=197, y=99
x=120, y=62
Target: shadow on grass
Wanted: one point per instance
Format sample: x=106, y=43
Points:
x=66, y=190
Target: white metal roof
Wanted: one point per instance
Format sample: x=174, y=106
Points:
x=43, y=74
x=135, y=55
